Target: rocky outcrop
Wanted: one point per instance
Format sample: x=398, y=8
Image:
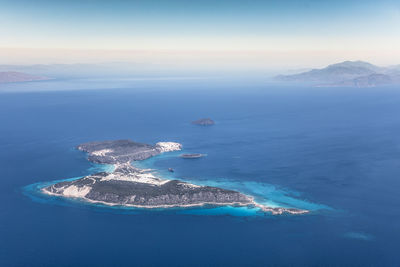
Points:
x=204, y=122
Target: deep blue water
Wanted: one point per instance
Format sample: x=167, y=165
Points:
x=335, y=151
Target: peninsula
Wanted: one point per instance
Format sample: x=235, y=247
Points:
x=133, y=187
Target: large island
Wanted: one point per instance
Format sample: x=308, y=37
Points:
x=134, y=187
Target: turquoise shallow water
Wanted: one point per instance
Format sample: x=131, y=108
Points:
x=264, y=193
x=33, y=191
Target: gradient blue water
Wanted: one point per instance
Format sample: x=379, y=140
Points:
x=331, y=148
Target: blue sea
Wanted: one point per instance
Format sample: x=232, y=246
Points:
x=334, y=151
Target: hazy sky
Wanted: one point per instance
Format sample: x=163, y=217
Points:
x=269, y=33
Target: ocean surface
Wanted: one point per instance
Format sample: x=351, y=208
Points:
x=333, y=151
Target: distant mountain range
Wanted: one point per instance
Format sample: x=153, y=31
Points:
x=344, y=74
x=13, y=76
x=347, y=74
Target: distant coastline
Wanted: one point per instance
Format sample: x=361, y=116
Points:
x=16, y=77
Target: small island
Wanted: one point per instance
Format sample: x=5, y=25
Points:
x=130, y=186
x=204, y=122
x=192, y=156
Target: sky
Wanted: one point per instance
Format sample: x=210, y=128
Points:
x=250, y=34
